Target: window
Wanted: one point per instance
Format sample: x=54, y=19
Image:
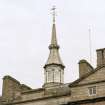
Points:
x=49, y=76
x=92, y=90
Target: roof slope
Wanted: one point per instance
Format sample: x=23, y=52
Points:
x=96, y=75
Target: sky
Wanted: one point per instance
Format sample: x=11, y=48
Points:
x=25, y=34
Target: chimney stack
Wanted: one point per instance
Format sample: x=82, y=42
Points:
x=84, y=68
x=100, y=57
x=10, y=87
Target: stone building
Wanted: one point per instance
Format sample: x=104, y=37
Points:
x=88, y=89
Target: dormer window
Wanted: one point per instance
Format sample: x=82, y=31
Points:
x=92, y=90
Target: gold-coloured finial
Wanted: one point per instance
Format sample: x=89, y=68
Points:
x=53, y=13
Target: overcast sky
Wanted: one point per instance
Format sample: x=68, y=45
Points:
x=25, y=33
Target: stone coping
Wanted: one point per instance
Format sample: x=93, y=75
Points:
x=100, y=49
x=11, y=78
x=41, y=98
x=85, y=61
x=33, y=90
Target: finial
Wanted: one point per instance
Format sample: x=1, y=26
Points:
x=53, y=13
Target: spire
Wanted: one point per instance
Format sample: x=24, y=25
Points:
x=54, y=57
x=53, y=39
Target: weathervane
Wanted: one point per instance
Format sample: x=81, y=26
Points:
x=53, y=13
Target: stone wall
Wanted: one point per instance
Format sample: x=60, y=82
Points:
x=0, y=100
x=12, y=89
x=77, y=93
x=82, y=92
